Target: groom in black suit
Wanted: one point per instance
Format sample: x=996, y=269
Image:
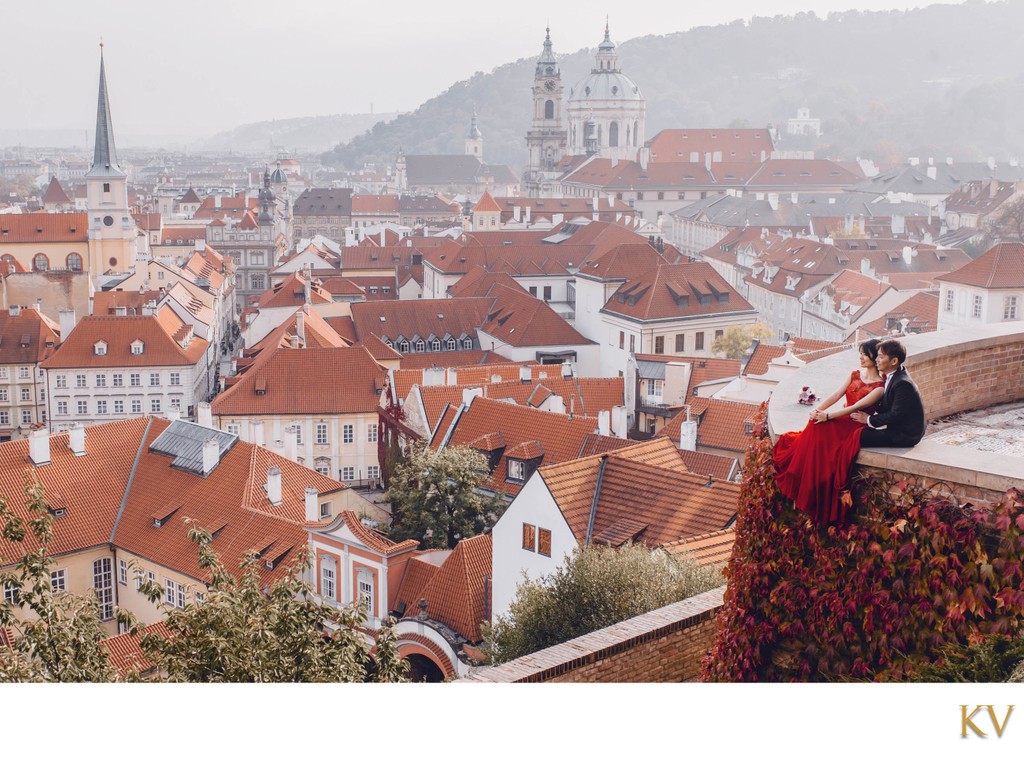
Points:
x=900, y=420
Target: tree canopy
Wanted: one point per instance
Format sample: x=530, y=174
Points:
x=436, y=498
x=736, y=339
x=595, y=588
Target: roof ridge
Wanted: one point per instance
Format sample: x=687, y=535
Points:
x=131, y=478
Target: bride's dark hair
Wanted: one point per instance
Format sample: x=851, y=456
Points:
x=870, y=348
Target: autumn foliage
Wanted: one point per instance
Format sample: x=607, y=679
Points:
x=880, y=598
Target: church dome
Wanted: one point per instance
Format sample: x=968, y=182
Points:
x=278, y=177
x=605, y=85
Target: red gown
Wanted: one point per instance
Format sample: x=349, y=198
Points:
x=812, y=467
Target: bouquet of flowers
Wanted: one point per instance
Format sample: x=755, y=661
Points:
x=807, y=396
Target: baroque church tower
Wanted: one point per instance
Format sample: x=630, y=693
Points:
x=474, y=139
x=546, y=139
x=112, y=231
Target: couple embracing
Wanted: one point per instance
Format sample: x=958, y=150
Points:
x=882, y=407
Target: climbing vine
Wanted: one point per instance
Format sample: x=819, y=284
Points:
x=882, y=597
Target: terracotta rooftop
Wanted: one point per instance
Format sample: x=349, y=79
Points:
x=422, y=319
x=733, y=144
x=27, y=338
x=713, y=548
x=44, y=228
x=720, y=424
x=292, y=292
x=690, y=289
x=805, y=349
x=921, y=310
x=1001, y=266
x=519, y=319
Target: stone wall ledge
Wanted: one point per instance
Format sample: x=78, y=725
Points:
x=934, y=360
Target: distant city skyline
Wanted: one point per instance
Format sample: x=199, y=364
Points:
x=208, y=67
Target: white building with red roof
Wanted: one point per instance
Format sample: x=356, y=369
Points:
x=26, y=339
x=990, y=289
x=115, y=367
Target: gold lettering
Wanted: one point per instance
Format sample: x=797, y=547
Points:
x=992, y=715
x=965, y=721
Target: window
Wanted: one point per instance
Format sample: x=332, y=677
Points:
x=23, y=373
x=1010, y=307
x=26, y=394
x=547, y=292
x=632, y=343
x=154, y=379
x=174, y=594
x=122, y=572
x=325, y=509
x=322, y=466
x=420, y=347
x=100, y=349
x=516, y=470
x=977, y=306
x=949, y=300
x=62, y=381
x=327, y=579
x=79, y=381
x=348, y=473
x=154, y=405
x=371, y=432
x=150, y=576
x=118, y=380
x=347, y=433
x=101, y=406
x=74, y=262
x=62, y=407
x=135, y=379
x=3, y=373
x=659, y=344
x=544, y=542
x=451, y=344
x=297, y=430
x=175, y=378
x=101, y=381
x=719, y=334
x=373, y=472
x=321, y=434
x=103, y=585
x=11, y=594
x=529, y=537
x=138, y=347
x=136, y=406
x=365, y=591
x=40, y=263
x=5, y=418
x=467, y=344
x=435, y=345
x=83, y=407
x=680, y=343
x=622, y=339
x=26, y=416
x=200, y=599
x=403, y=347
x=233, y=428
x=257, y=282
x=533, y=291
x=58, y=581
x=119, y=407
x=3, y=394
x=698, y=342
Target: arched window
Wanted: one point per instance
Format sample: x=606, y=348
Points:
x=636, y=132
x=403, y=347
x=74, y=262
x=549, y=109
x=451, y=344
x=467, y=343
x=40, y=263
x=435, y=345
x=420, y=346
x=613, y=134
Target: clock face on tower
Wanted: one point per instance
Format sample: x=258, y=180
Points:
x=550, y=85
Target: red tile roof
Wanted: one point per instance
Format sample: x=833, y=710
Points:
x=921, y=310
x=422, y=318
x=676, y=291
x=27, y=338
x=708, y=548
x=720, y=424
x=125, y=650
x=55, y=194
x=805, y=349
x=182, y=235
x=375, y=205
x=293, y=382
x=1001, y=266
x=291, y=292
x=645, y=495
x=163, y=335
x=486, y=205
x=732, y=144
x=44, y=228
x=519, y=319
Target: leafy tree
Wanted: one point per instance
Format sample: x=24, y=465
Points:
x=436, y=498
x=1007, y=225
x=736, y=339
x=244, y=633
x=60, y=636
x=595, y=588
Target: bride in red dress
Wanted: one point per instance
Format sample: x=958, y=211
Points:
x=812, y=467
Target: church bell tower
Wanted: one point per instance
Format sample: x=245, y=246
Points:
x=546, y=139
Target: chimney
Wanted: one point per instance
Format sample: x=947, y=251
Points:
x=931, y=171
x=451, y=376
x=173, y=414
x=433, y=376
x=67, y=322
x=645, y=158
x=76, y=439
x=211, y=455
x=556, y=404
x=468, y=394
x=300, y=325
x=525, y=374
x=527, y=214
x=773, y=201
x=908, y=255
x=567, y=370
x=39, y=446
x=205, y=414
x=291, y=443
x=707, y=161
x=619, y=421
x=516, y=213
x=256, y=431
x=293, y=341
x=312, y=505
x=15, y=310
x=865, y=268
x=688, y=433
x=307, y=289
x=274, y=486
x=604, y=422
x=216, y=201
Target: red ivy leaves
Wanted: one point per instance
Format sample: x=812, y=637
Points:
x=872, y=599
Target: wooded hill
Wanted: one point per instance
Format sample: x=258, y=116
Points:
x=946, y=80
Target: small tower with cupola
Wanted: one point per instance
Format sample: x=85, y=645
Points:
x=546, y=139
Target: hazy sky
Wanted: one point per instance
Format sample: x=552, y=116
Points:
x=193, y=68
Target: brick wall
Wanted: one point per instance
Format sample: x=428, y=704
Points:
x=663, y=646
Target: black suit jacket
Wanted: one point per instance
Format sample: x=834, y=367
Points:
x=901, y=415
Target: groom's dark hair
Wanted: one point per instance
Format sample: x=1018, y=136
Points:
x=893, y=349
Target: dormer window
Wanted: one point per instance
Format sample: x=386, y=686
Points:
x=516, y=470
x=100, y=348
x=138, y=347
